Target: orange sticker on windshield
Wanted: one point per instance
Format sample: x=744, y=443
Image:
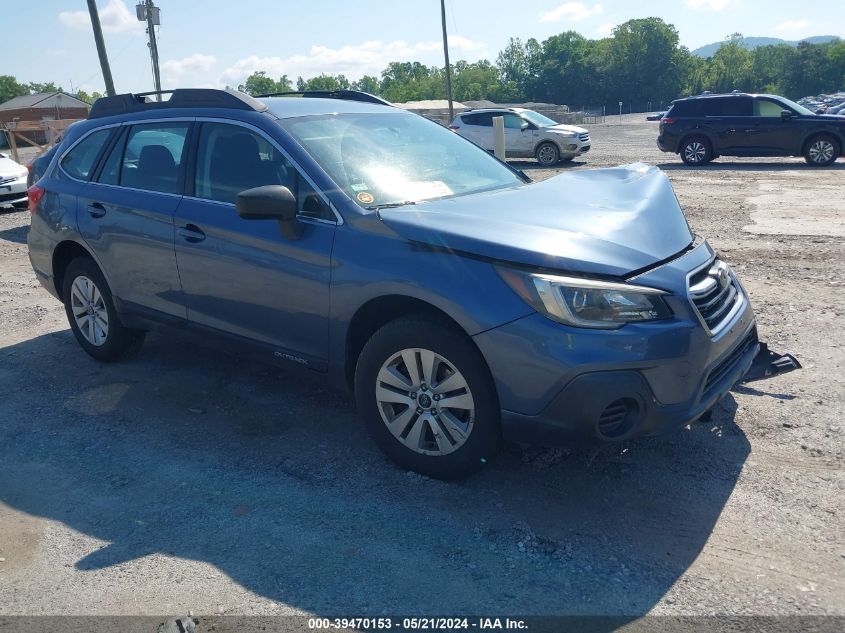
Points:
x=365, y=198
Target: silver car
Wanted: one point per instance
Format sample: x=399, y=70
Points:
x=527, y=134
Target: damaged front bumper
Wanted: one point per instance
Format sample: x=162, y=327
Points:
x=767, y=364
x=608, y=406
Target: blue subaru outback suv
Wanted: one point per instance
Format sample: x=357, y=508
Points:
x=461, y=302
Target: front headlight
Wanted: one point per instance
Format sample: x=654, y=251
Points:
x=587, y=302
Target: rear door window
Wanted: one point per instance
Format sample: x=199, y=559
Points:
x=80, y=161
x=152, y=160
x=729, y=106
x=483, y=119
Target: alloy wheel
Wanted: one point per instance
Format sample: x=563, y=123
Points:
x=547, y=155
x=695, y=151
x=821, y=151
x=89, y=311
x=425, y=401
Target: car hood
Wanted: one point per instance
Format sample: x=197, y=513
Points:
x=600, y=221
x=9, y=168
x=561, y=127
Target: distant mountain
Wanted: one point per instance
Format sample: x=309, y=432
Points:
x=753, y=42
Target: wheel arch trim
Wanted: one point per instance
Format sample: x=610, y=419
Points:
x=70, y=244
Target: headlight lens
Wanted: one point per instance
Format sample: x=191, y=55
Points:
x=587, y=302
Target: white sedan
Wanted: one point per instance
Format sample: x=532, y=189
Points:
x=12, y=182
x=527, y=134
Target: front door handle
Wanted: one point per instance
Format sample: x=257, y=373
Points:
x=96, y=210
x=191, y=233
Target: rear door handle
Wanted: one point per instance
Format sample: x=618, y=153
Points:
x=191, y=233
x=96, y=210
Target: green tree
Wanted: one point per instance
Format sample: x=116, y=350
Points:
x=323, y=82
x=566, y=76
x=258, y=83
x=471, y=82
x=367, y=83
x=644, y=63
x=730, y=66
x=10, y=88
x=37, y=88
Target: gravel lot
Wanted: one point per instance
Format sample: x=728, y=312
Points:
x=187, y=478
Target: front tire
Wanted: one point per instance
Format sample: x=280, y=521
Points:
x=821, y=150
x=696, y=151
x=92, y=316
x=428, y=401
x=547, y=154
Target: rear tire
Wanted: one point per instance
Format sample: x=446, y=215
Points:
x=821, y=150
x=92, y=316
x=547, y=154
x=696, y=151
x=427, y=399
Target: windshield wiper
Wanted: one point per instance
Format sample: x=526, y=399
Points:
x=390, y=205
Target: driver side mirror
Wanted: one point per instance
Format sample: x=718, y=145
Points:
x=271, y=202
x=785, y=115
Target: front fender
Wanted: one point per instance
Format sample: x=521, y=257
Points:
x=371, y=264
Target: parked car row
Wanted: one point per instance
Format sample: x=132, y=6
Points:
x=459, y=301
x=824, y=103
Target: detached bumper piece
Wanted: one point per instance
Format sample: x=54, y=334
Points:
x=768, y=363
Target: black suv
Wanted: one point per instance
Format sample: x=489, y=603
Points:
x=708, y=126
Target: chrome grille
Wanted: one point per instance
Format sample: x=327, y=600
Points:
x=584, y=137
x=3, y=181
x=716, y=295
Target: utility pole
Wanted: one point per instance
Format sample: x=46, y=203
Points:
x=101, y=47
x=147, y=11
x=446, y=55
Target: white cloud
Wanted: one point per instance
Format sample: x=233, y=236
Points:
x=792, y=26
x=115, y=17
x=604, y=30
x=709, y=5
x=354, y=61
x=182, y=72
x=572, y=11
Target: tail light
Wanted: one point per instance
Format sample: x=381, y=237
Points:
x=667, y=120
x=34, y=193
x=29, y=166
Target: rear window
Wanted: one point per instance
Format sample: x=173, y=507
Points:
x=80, y=161
x=686, y=108
x=153, y=157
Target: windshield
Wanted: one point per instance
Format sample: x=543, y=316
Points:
x=798, y=108
x=393, y=159
x=537, y=119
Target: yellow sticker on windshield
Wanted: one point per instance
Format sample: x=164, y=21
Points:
x=365, y=197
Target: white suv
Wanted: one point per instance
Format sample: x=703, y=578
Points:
x=527, y=134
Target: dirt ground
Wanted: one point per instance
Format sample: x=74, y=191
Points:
x=190, y=479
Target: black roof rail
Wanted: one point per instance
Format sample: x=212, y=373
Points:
x=179, y=98
x=346, y=95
